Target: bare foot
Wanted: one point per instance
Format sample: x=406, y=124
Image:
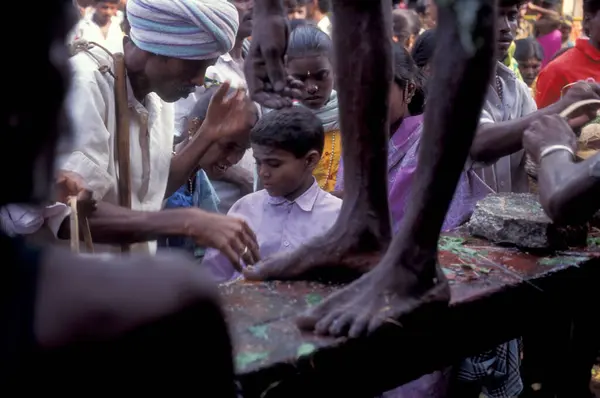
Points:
x=343, y=254
x=384, y=295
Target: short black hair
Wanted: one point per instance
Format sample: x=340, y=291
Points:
x=107, y=1
x=296, y=130
x=528, y=48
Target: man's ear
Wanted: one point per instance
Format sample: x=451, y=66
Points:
x=312, y=159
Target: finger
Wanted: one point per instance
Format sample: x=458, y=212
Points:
x=251, y=242
x=233, y=257
x=221, y=92
x=275, y=68
x=579, y=121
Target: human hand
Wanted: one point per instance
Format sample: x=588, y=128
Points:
x=264, y=68
x=577, y=92
x=230, y=235
x=546, y=131
x=226, y=114
x=70, y=184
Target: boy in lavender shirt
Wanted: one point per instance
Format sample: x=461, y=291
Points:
x=291, y=209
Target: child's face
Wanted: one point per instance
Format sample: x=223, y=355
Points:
x=283, y=174
x=316, y=73
x=105, y=11
x=298, y=12
x=530, y=69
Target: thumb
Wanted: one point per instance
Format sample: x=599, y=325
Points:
x=255, y=272
x=221, y=92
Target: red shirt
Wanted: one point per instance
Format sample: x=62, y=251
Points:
x=579, y=63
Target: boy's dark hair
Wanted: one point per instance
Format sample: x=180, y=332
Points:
x=296, y=130
x=308, y=40
x=528, y=48
x=107, y=1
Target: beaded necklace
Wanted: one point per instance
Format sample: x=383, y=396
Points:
x=328, y=176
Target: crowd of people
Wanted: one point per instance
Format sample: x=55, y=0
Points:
x=234, y=181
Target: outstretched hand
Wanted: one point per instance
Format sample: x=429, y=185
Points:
x=267, y=79
x=547, y=131
x=581, y=91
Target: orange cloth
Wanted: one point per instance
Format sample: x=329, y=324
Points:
x=580, y=63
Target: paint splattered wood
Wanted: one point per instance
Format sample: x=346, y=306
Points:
x=272, y=355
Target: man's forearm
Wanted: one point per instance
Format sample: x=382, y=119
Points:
x=186, y=161
x=496, y=140
x=568, y=191
x=117, y=225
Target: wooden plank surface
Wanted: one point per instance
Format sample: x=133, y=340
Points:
x=270, y=350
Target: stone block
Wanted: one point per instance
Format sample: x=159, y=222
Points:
x=518, y=219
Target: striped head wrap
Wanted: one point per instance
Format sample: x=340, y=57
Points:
x=185, y=29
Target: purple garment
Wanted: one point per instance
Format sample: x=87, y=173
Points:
x=469, y=191
x=401, y=138
x=279, y=225
x=551, y=43
x=402, y=164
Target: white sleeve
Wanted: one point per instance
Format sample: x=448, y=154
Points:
x=92, y=141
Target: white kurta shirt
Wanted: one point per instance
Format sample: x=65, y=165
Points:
x=92, y=110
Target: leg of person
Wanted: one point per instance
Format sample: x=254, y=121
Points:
x=364, y=75
x=143, y=326
x=408, y=276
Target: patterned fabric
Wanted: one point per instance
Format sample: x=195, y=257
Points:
x=496, y=370
x=203, y=197
x=186, y=29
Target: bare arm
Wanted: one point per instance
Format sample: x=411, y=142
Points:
x=186, y=161
x=237, y=175
x=114, y=224
x=495, y=140
x=569, y=191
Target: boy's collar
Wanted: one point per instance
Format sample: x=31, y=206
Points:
x=305, y=202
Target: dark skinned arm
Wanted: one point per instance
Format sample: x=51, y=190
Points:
x=496, y=140
x=114, y=224
x=569, y=192
x=185, y=162
x=236, y=175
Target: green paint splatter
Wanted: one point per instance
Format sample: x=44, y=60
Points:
x=456, y=246
x=313, y=299
x=305, y=349
x=246, y=358
x=259, y=331
x=593, y=241
x=562, y=260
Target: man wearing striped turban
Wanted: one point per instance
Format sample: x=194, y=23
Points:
x=171, y=43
